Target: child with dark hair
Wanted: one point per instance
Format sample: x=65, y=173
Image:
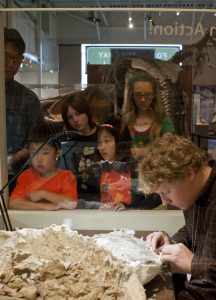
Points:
x=77, y=115
x=115, y=181
x=80, y=153
x=43, y=186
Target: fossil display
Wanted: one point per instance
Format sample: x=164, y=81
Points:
x=57, y=263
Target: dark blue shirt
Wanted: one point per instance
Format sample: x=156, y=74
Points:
x=23, y=112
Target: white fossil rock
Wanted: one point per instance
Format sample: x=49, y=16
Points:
x=56, y=263
x=134, y=251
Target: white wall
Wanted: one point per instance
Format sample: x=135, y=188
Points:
x=84, y=219
x=70, y=64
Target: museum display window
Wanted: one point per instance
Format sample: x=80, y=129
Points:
x=72, y=49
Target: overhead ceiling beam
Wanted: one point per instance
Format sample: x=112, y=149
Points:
x=145, y=26
x=109, y=9
x=103, y=15
x=97, y=28
x=79, y=18
x=125, y=4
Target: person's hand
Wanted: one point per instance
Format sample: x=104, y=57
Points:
x=157, y=239
x=178, y=255
x=112, y=206
x=35, y=196
x=67, y=205
x=50, y=206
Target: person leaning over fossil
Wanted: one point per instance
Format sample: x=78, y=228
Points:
x=178, y=170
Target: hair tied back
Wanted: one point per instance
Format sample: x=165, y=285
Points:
x=106, y=125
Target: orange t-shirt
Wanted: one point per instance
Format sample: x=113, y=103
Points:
x=64, y=183
x=115, y=186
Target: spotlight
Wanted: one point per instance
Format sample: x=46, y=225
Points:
x=130, y=22
x=150, y=20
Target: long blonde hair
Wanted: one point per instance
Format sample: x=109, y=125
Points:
x=130, y=110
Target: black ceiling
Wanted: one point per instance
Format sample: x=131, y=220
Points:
x=209, y=4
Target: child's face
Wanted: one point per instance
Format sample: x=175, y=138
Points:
x=143, y=95
x=78, y=121
x=45, y=160
x=107, y=146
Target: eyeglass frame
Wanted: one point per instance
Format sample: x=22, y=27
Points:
x=16, y=59
x=146, y=95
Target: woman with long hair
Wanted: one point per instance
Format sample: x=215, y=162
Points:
x=143, y=115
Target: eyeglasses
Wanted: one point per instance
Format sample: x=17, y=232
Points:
x=15, y=59
x=146, y=95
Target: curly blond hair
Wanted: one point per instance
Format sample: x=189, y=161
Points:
x=166, y=159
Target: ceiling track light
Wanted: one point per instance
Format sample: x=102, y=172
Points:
x=150, y=20
x=130, y=22
x=92, y=18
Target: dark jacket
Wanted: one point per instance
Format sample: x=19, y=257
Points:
x=138, y=199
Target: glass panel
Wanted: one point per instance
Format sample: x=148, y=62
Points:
x=59, y=61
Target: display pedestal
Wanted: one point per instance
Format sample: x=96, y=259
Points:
x=94, y=219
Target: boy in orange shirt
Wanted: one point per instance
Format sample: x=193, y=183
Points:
x=43, y=186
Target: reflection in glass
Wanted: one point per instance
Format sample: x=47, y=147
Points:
x=58, y=70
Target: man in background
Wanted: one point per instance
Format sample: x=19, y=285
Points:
x=23, y=109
